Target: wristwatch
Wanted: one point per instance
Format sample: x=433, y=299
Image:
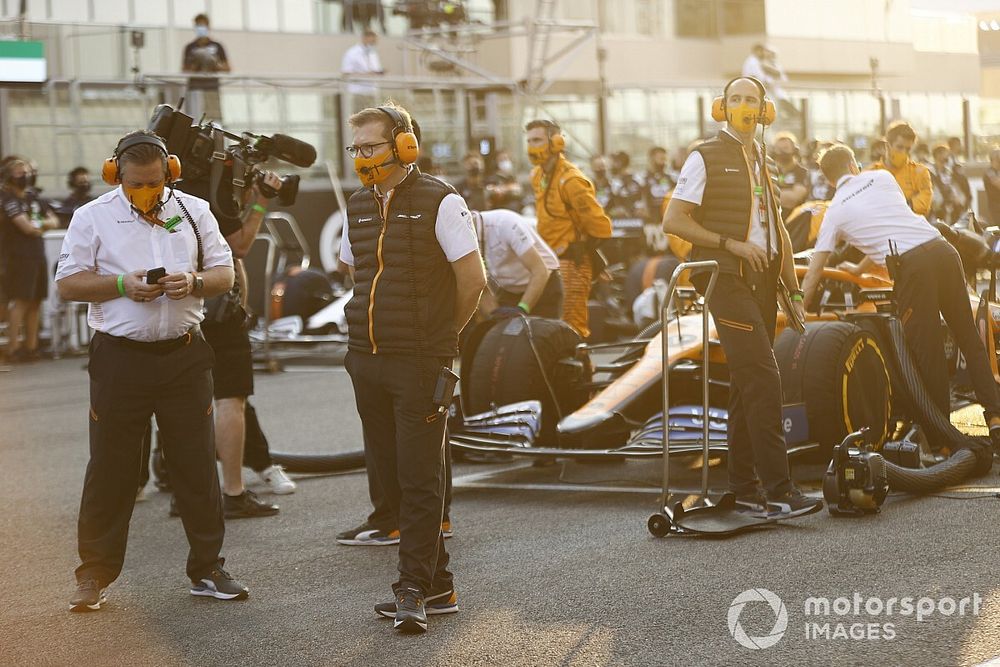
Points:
x=199, y=283
x=722, y=241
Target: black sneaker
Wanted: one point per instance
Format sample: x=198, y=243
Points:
x=794, y=503
x=439, y=603
x=995, y=439
x=367, y=535
x=246, y=505
x=411, y=615
x=220, y=585
x=753, y=504
x=89, y=596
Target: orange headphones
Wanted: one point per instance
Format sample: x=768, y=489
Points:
x=111, y=170
x=404, y=142
x=557, y=142
x=767, y=113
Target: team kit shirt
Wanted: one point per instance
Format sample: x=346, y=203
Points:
x=506, y=237
x=691, y=188
x=453, y=229
x=14, y=242
x=109, y=238
x=869, y=210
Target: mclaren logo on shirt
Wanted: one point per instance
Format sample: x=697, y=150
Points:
x=361, y=221
x=403, y=216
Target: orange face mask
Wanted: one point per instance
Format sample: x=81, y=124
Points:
x=371, y=171
x=145, y=199
x=539, y=154
x=743, y=118
x=897, y=158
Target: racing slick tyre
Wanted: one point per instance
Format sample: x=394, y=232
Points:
x=519, y=360
x=838, y=370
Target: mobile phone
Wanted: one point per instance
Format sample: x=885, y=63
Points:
x=154, y=275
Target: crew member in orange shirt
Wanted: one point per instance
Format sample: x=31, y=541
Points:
x=570, y=220
x=914, y=179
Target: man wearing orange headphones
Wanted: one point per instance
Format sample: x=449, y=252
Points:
x=726, y=205
x=570, y=220
x=412, y=250
x=145, y=257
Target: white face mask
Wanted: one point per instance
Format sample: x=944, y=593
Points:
x=201, y=30
x=505, y=166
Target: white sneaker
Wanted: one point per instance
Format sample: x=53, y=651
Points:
x=277, y=481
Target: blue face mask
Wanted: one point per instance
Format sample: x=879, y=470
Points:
x=201, y=30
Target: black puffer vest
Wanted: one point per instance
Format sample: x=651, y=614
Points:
x=404, y=291
x=726, y=206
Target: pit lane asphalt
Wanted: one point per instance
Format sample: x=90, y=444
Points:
x=544, y=577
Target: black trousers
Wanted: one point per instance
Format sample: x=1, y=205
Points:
x=383, y=515
x=550, y=303
x=745, y=313
x=405, y=446
x=127, y=387
x=930, y=284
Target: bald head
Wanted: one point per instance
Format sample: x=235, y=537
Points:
x=743, y=90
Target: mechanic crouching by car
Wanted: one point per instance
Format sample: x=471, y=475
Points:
x=413, y=253
x=522, y=272
x=145, y=258
x=869, y=211
x=726, y=206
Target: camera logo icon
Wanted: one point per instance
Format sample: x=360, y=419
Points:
x=780, y=618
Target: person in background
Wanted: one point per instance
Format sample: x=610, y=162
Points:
x=793, y=178
x=991, y=183
x=502, y=188
x=206, y=56
x=24, y=218
x=78, y=182
x=921, y=154
x=626, y=191
x=913, y=179
x=362, y=58
x=472, y=186
x=819, y=189
x=952, y=194
x=600, y=171
x=656, y=183
x=957, y=150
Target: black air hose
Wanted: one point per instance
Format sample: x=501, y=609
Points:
x=319, y=463
x=955, y=470
x=973, y=456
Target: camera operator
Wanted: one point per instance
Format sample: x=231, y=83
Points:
x=24, y=218
x=226, y=333
x=147, y=357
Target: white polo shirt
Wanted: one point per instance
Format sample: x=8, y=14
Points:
x=107, y=237
x=691, y=188
x=869, y=210
x=506, y=236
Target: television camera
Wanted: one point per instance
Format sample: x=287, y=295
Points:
x=205, y=156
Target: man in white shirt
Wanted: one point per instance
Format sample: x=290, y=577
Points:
x=362, y=58
x=523, y=272
x=145, y=258
x=869, y=211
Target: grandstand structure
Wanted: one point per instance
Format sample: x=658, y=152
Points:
x=618, y=75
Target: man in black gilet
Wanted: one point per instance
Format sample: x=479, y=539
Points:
x=418, y=275
x=725, y=204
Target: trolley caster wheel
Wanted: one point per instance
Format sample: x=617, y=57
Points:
x=659, y=525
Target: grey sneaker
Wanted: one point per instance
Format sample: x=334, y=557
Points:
x=89, y=596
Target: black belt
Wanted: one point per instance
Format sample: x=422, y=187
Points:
x=154, y=347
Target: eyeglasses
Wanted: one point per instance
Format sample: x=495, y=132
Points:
x=365, y=150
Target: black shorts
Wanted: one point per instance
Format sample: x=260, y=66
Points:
x=26, y=279
x=233, y=370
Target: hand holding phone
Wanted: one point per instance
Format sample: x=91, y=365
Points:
x=154, y=275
